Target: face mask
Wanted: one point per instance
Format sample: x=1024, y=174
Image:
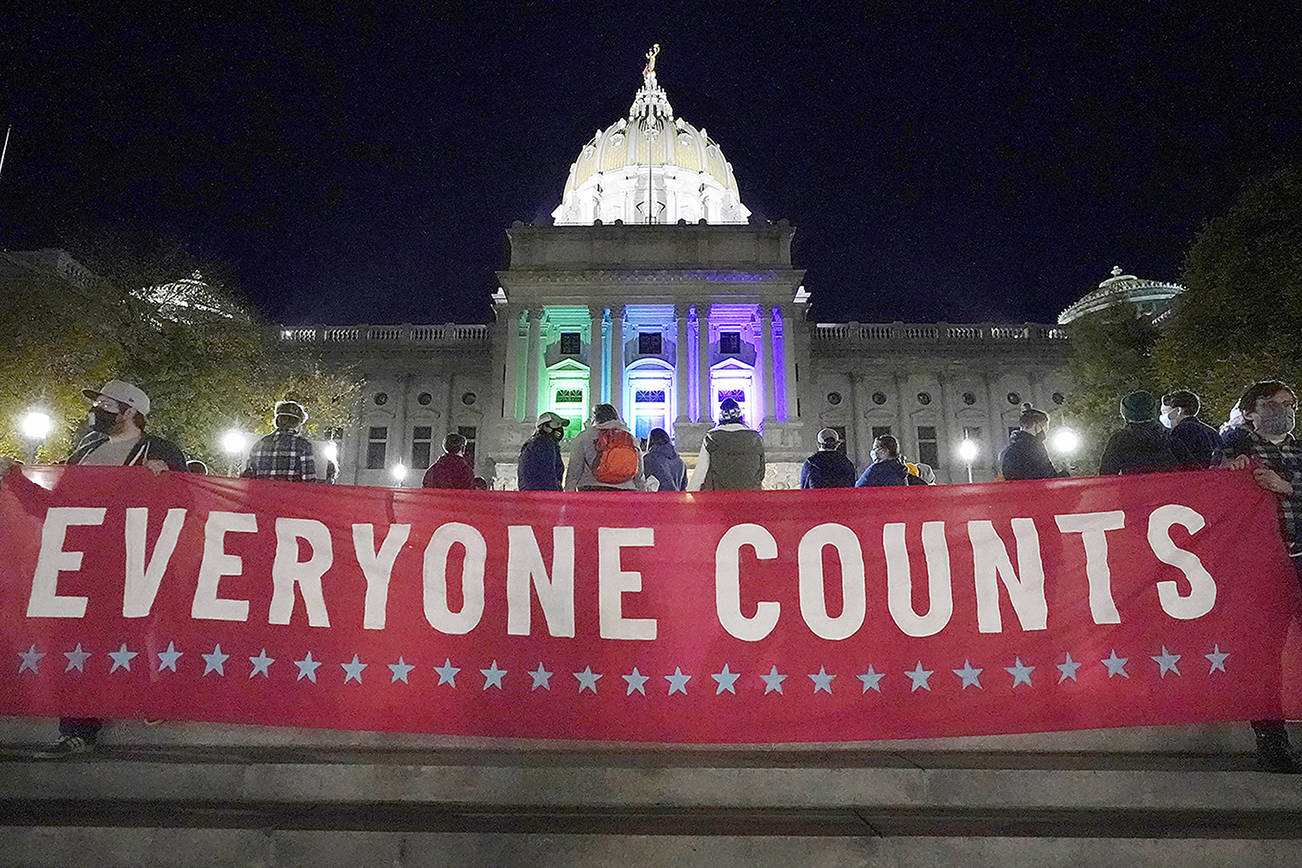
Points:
x=1166, y=420
x=101, y=420
x=1276, y=421
x=556, y=434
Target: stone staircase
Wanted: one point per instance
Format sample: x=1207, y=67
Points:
x=189, y=794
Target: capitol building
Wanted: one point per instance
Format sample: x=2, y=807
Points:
x=653, y=291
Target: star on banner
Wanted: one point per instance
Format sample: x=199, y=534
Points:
x=76, y=659
x=400, y=671
x=822, y=681
x=1166, y=662
x=307, y=668
x=122, y=658
x=871, y=680
x=261, y=664
x=725, y=680
x=447, y=673
x=678, y=681
x=353, y=670
x=1217, y=659
x=493, y=676
x=1020, y=671
x=215, y=662
x=636, y=681
x=31, y=659
x=968, y=676
x=587, y=679
x=919, y=677
x=541, y=678
x=773, y=681
x=167, y=659
x=1116, y=665
x=1068, y=669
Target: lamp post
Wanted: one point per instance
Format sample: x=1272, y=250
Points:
x=234, y=443
x=399, y=473
x=35, y=426
x=1065, y=441
x=967, y=452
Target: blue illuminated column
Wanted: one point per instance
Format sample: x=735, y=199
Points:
x=617, y=359
x=681, y=378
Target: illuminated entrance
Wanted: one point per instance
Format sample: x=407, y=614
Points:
x=736, y=380
x=649, y=396
x=566, y=394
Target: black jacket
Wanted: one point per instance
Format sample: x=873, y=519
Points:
x=1025, y=457
x=150, y=448
x=540, y=467
x=1198, y=438
x=827, y=468
x=1144, y=447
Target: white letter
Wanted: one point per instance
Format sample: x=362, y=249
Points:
x=142, y=580
x=854, y=594
x=990, y=561
x=613, y=582
x=45, y=601
x=472, y=578
x=727, y=582
x=899, y=579
x=524, y=564
x=217, y=563
x=377, y=567
x=1202, y=587
x=1093, y=528
x=287, y=570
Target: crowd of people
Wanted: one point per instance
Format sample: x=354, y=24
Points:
x=1156, y=436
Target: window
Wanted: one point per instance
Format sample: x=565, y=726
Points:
x=569, y=396
x=928, y=448
x=969, y=398
x=879, y=398
x=834, y=398
x=571, y=343
x=377, y=445
x=424, y=399
x=469, y=398
x=650, y=343
x=881, y=431
x=649, y=396
x=1014, y=398
x=924, y=398
x=738, y=395
x=381, y=398
x=469, y=432
x=421, y=438
x=730, y=343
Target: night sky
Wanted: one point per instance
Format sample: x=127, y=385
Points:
x=991, y=162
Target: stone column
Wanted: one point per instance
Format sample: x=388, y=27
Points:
x=998, y=437
x=596, y=357
x=946, y=435
x=681, y=376
x=861, y=442
x=703, y=399
x=511, y=408
x=901, y=418
x=768, y=365
x=617, y=359
x=533, y=362
x=789, y=365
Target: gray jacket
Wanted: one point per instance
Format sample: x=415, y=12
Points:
x=583, y=458
x=731, y=459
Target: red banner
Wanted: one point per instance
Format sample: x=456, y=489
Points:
x=750, y=617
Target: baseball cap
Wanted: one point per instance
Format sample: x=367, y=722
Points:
x=550, y=418
x=290, y=408
x=828, y=437
x=124, y=393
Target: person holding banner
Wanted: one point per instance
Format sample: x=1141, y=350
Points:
x=1025, y=456
x=452, y=470
x=1265, y=443
x=540, y=467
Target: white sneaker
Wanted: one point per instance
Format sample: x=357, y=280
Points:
x=66, y=746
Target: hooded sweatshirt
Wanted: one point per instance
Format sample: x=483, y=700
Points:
x=731, y=459
x=1144, y=447
x=584, y=458
x=663, y=463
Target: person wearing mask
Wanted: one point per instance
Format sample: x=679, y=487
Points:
x=452, y=470
x=828, y=467
x=118, y=415
x=662, y=463
x=731, y=456
x=1265, y=443
x=1180, y=414
x=604, y=456
x=284, y=455
x=1025, y=456
x=886, y=467
x=1144, y=445
x=540, y=467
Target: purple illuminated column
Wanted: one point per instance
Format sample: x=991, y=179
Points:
x=680, y=364
x=703, y=402
x=789, y=350
x=769, y=367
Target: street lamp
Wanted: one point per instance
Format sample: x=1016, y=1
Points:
x=967, y=452
x=331, y=452
x=35, y=426
x=234, y=443
x=399, y=473
x=1065, y=441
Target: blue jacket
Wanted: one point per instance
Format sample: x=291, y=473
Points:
x=540, y=467
x=827, y=468
x=1025, y=457
x=889, y=472
x=662, y=462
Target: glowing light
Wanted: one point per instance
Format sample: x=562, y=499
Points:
x=967, y=451
x=234, y=442
x=1065, y=441
x=36, y=425
x=331, y=451
x=399, y=472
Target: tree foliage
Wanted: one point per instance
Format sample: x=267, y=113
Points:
x=178, y=327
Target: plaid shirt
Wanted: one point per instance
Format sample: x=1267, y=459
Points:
x=283, y=455
x=1285, y=458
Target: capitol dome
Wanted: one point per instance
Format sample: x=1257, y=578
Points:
x=1150, y=297
x=650, y=167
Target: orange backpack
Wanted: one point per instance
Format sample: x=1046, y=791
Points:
x=616, y=457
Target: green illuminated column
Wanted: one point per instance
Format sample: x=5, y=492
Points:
x=533, y=362
x=596, y=357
